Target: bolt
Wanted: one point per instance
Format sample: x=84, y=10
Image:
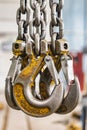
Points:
x=47, y=58
x=65, y=46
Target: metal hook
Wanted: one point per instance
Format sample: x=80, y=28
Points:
x=23, y=92
x=71, y=100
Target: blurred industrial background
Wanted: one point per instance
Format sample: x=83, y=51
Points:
x=75, y=31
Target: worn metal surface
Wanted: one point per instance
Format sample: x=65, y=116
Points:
x=11, y=119
x=16, y=120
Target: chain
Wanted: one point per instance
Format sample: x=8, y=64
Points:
x=56, y=26
x=39, y=57
x=38, y=22
x=22, y=23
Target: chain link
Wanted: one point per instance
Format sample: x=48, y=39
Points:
x=23, y=4
x=22, y=11
x=38, y=22
x=39, y=19
x=41, y=2
x=37, y=14
x=56, y=25
x=41, y=32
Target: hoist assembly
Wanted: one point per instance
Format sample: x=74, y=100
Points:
x=33, y=84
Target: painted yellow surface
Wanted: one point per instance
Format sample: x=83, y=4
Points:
x=25, y=105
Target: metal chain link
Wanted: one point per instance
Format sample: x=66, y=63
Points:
x=38, y=23
x=22, y=11
x=56, y=25
x=23, y=4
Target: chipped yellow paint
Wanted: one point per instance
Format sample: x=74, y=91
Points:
x=25, y=105
x=29, y=73
x=32, y=69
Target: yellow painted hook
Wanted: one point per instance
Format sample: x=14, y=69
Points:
x=24, y=97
